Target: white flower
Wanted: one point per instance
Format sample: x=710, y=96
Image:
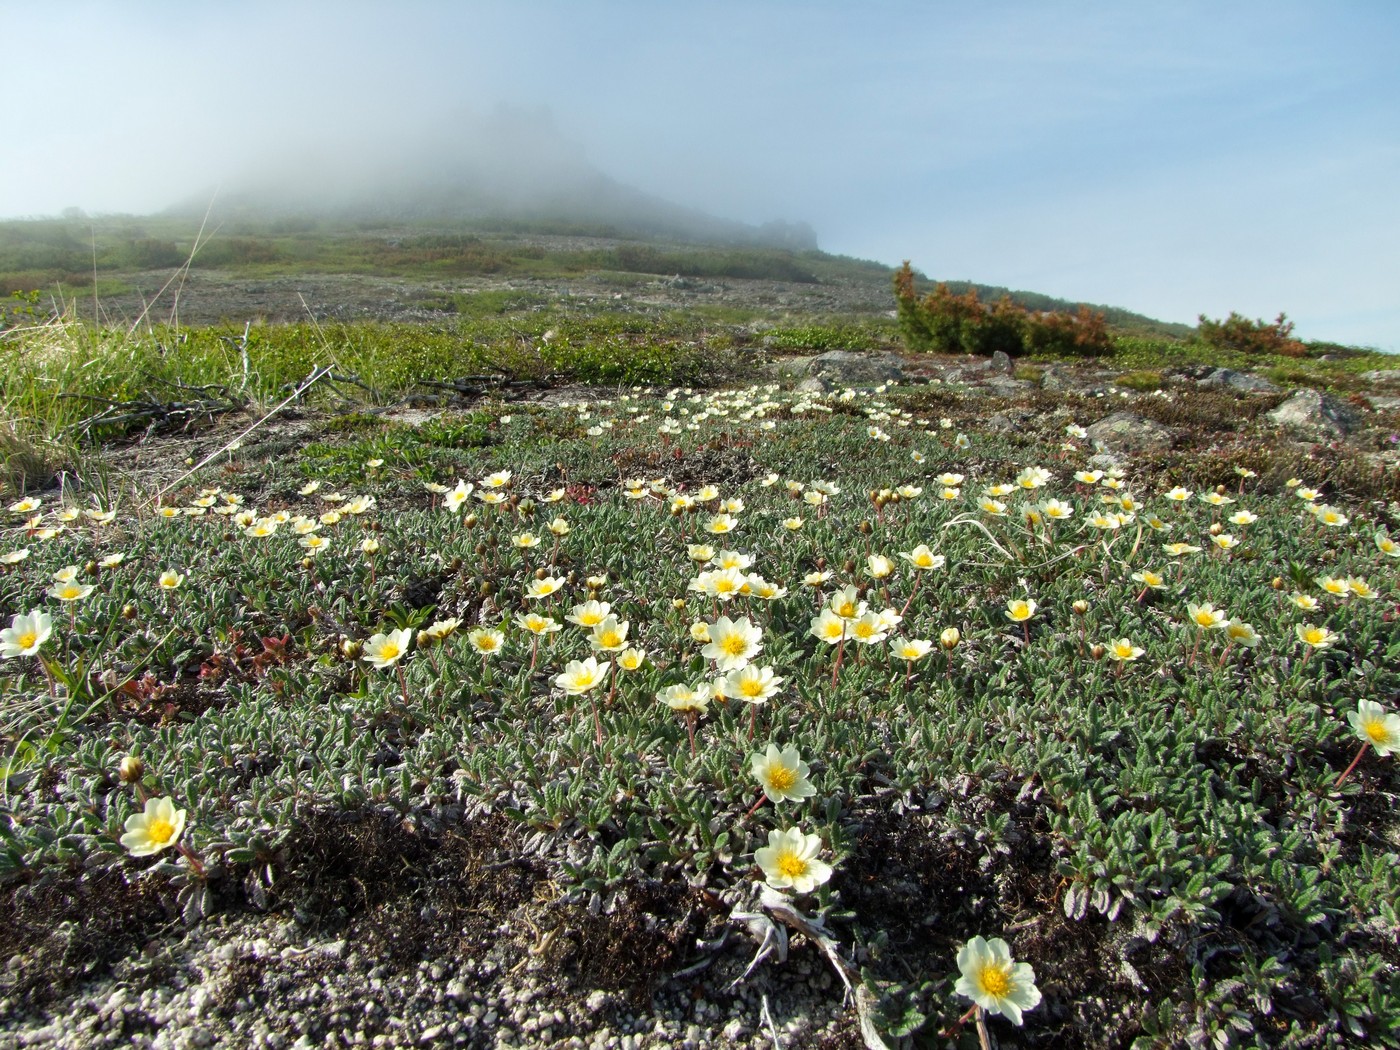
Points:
x=25, y=635
x=1374, y=726
x=159, y=826
x=790, y=859
x=782, y=774
x=733, y=643
x=992, y=980
x=385, y=650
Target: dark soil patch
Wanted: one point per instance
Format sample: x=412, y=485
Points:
x=65, y=928
x=646, y=936
x=410, y=894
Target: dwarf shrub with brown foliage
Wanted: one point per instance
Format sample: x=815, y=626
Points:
x=1251, y=337
x=945, y=322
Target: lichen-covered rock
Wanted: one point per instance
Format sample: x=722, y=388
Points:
x=845, y=368
x=1313, y=413
x=1129, y=432
x=1239, y=382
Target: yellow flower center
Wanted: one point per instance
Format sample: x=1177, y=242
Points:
x=1315, y=635
x=1205, y=619
x=995, y=980
x=610, y=639
x=1375, y=731
x=160, y=830
x=751, y=687
x=389, y=651
x=27, y=639
x=791, y=865
x=781, y=777
x=735, y=645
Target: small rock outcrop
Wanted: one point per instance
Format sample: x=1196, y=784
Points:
x=1129, y=432
x=1238, y=382
x=840, y=368
x=1315, y=414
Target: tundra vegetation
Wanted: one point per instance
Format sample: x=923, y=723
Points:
x=1105, y=747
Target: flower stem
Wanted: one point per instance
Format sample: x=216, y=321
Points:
x=1347, y=772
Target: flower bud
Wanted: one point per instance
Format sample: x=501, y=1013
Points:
x=350, y=648
x=865, y=530
x=424, y=639
x=1097, y=652
x=848, y=566
x=1216, y=528
x=470, y=520
x=949, y=638
x=128, y=611
x=487, y=588
x=1080, y=607
x=541, y=573
x=131, y=769
x=90, y=568
x=821, y=562
x=1276, y=583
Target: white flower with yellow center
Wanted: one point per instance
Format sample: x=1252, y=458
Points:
x=559, y=527
x=813, y=498
x=525, y=540
x=1019, y=610
x=631, y=659
x=700, y=553
x=1056, y=510
x=308, y=488
x=536, y=589
x=1306, y=494
x=1360, y=588
x=1150, y=579
x=828, y=627
x=1178, y=550
x=314, y=544
x=992, y=980
x=793, y=524
x=1207, y=617
x=721, y=524
x=486, y=640
x=922, y=558
x=869, y=629
x=879, y=566
x=1225, y=542
x=537, y=624
x=733, y=643
x=440, y=629
x=1387, y=546
x=157, y=827
x=385, y=650
x=28, y=505
x=1332, y=516
x=170, y=580
x=846, y=603
x=111, y=561
x=1088, y=477
x=1240, y=633
x=14, y=557
x=733, y=560
x=492, y=498
x=1306, y=602
x=498, y=480
x=910, y=649
x=1243, y=518
x=995, y=507
x=790, y=861
x=686, y=699
x=25, y=635
x=751, y=683
x=1333, y=586
x=70, y=592
x=1124, y=651
x=589, y=614
x=909, y=491
x=1033, y=478
x=261, y=529
x=782, y=774
x=67, y=574
x=1375, y=726
x=580, y=676
x=610, y=635
x=1316, y=637
x=360, y=505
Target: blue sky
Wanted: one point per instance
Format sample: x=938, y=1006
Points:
x=1175, y=159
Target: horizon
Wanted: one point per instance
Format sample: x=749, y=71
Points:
x=1169, y=163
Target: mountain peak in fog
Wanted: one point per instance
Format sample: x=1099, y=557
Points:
x=509, y=166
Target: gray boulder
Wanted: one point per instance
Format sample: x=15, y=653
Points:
x=1385, y=375
x=1001, y=363
x=1129, y=432
x=838, y=368
x=1313, y=413
x=1238, y=382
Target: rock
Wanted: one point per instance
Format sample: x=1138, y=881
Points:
x=1001, y=363
x=1053, y=379
x=1384, y=402
x=1129, y=432
x=813, y=385
x=844, y=368
x=1385, y=375
x=1312, y=412
x=1239, y=382
x=1005, y=386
